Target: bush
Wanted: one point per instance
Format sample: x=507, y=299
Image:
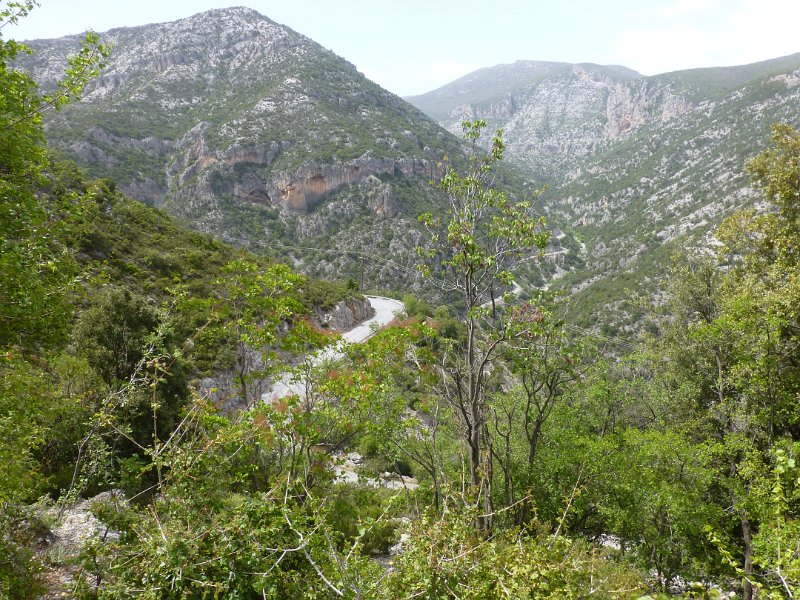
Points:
x=325, y=294
x=366, y=513
x=444, y=557
x=20, y=569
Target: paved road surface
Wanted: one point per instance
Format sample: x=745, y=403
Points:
x=385, y=309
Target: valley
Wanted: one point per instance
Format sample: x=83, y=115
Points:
x=309, y=156
x=268, y=330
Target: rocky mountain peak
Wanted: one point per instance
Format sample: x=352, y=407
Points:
x=250, y=131
x=554, y=113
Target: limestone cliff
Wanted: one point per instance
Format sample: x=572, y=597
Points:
x=200, y=173
x=554, y=114
x=249, y=131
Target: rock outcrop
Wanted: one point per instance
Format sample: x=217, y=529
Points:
x=301, y=191
x=247, y=130
x=344, y=315
x=74, y=527
x=553, y=114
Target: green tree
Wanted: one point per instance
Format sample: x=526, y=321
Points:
x=486, y=235
x=113, y=332
x=254, y=303
x=729, y=359
x=34, y=266
x=35, y=273
x=545, y=364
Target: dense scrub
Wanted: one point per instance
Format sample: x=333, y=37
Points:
x=535, y=463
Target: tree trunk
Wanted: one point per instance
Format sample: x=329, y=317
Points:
x=747, y=591
x=486, y=486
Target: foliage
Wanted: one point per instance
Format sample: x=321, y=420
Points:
x=229, y=521
x=22, y=426
x=486, y=235
x=36, y=272
x=444, y=558
x=326, y=294
x=111, y=334
x=254, y=304
x=20, y=569
x=777, y=544
x=543, y=471
x=730, y=351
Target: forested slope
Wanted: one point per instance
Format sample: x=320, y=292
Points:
x=523, y=461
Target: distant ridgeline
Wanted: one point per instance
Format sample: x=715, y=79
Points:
x=258, y=135
x=638, y=166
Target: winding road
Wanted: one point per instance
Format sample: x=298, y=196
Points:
x=385, y=310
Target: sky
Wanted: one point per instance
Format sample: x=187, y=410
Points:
x=414, y=46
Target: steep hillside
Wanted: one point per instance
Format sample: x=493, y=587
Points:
x=639, y=167
x=716, y=82
x=252, y=132
x=667, y=185
x=120, y=244
x=553, y=114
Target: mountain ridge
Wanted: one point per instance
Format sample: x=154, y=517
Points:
x=246, y=129
x=638, y=168
x=250, y=131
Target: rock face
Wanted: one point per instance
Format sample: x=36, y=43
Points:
x=553, y=114
x=74, y=528
x=344, y=315
x=299, y=191
x=244, y=129
x=304, y=189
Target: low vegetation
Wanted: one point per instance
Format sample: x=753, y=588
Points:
x=527, y=461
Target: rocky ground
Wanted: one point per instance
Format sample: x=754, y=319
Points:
x=349, y=470
x=73, y=528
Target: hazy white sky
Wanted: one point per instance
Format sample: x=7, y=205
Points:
x=414, y=46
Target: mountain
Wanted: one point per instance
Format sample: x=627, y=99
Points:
x=246, y=129
x=638, y=167
x=550, y=113
x=555, y=114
